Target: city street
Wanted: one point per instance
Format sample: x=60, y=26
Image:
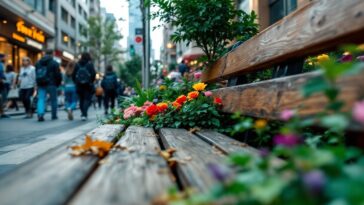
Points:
x=24, y=139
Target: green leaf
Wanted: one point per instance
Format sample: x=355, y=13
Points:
x=335, y=121
x=315, y=85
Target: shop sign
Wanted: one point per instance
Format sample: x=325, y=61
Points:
x=34, y=44
x=18, y=38
x=30, y=32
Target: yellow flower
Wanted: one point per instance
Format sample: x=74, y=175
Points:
x=260, y=124
x=199, y=86
x=322, y=58
x=361, y=47
x=162, y=87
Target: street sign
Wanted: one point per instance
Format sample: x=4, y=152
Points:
x=138, y=39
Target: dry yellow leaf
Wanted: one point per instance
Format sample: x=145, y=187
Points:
x=96, y=147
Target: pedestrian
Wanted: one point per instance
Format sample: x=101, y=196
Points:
x=2, y=87
x=27, y=82
x=183, y=68
x=11, y=78
x=174, y=74
x=110, y=86
x=48, y=78
x=84, y=75
x=70, y=90
x=99, y=93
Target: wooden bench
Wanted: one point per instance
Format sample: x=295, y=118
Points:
x=134, y=172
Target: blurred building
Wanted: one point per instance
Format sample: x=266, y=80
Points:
x=135, y=36
x=71, y=25
x=26, y=29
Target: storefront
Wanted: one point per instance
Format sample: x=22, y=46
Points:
x=19, y=39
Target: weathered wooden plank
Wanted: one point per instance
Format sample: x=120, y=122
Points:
x=53, y=177
x=319, y=26
x=268, y=99
x=227, y=144
x=133, y=176
x=196, y=153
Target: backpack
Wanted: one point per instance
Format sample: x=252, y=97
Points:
x=109, y=82
x=42, y=77
x=83, y=76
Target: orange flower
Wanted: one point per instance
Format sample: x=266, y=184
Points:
x=162, y=106
x=218, y=101
x=176, y=105
x=181, y=99
x=193, y=95
x=151, y=110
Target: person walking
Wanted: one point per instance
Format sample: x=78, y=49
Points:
x=110, y=85
x=11, y=77
x=70, y=90
x=27, y=84
x=48, y=78
x=84, y=75
x=99, y=94
x=2, y=86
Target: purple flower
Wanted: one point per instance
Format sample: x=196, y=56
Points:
x=346, y=58
x=264, y=152
x=219, y=172
x=287, y=115
x=358, y=112
x=360, y=58
x=314, y=181
x=287, y=140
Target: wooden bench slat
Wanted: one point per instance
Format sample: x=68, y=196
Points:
x=224, y=143
x=196, y=153
x=268, y=99
x=53, y=177
x=311, y=29
x=135, y=177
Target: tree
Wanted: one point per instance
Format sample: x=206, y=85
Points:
x=130, y=71
x=102, y=37
x=211, y=24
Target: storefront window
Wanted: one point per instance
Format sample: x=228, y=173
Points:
x=7, y=49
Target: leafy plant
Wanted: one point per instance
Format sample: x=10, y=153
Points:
x=212, y=24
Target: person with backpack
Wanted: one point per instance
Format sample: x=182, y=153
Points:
x=48, y=78
x=84, y=76
x=70, y=90
x=110, y=86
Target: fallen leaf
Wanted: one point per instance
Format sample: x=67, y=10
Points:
x=194, y=130
x=96, y=147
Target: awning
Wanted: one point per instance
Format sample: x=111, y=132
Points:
x=192, y=54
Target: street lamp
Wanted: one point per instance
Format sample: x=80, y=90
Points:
x=169, y=45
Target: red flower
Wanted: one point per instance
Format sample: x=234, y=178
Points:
x=152, y=110
x=193, y=95
x=176, y=105
x=181, y=99
x=218, y=101
x=162, y=107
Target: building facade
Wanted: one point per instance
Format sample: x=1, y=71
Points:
x=26, y=29
x=135, y=36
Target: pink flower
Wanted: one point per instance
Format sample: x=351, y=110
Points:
x=358, y=112
x=287, y=140
x=130, y=112
x=287, y=115
x=197, y=75
x=208, y=93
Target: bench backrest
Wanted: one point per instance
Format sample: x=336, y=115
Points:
x=319, y=26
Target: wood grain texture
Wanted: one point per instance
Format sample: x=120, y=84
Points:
x=318, y=26
x=268, y=99
x=53, y=177
x=129, y=177
x=194, y=172
x=227, y=144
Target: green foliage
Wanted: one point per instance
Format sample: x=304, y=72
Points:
x=212, y=24
x=101, y=40
x=130, y=71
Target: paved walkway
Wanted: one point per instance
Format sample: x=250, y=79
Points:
x=24, y=139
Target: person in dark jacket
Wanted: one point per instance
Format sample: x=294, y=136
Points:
x=48, y=79
x=110, y=86
x=84, y=76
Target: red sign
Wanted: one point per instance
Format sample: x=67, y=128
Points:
x=138, y=39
